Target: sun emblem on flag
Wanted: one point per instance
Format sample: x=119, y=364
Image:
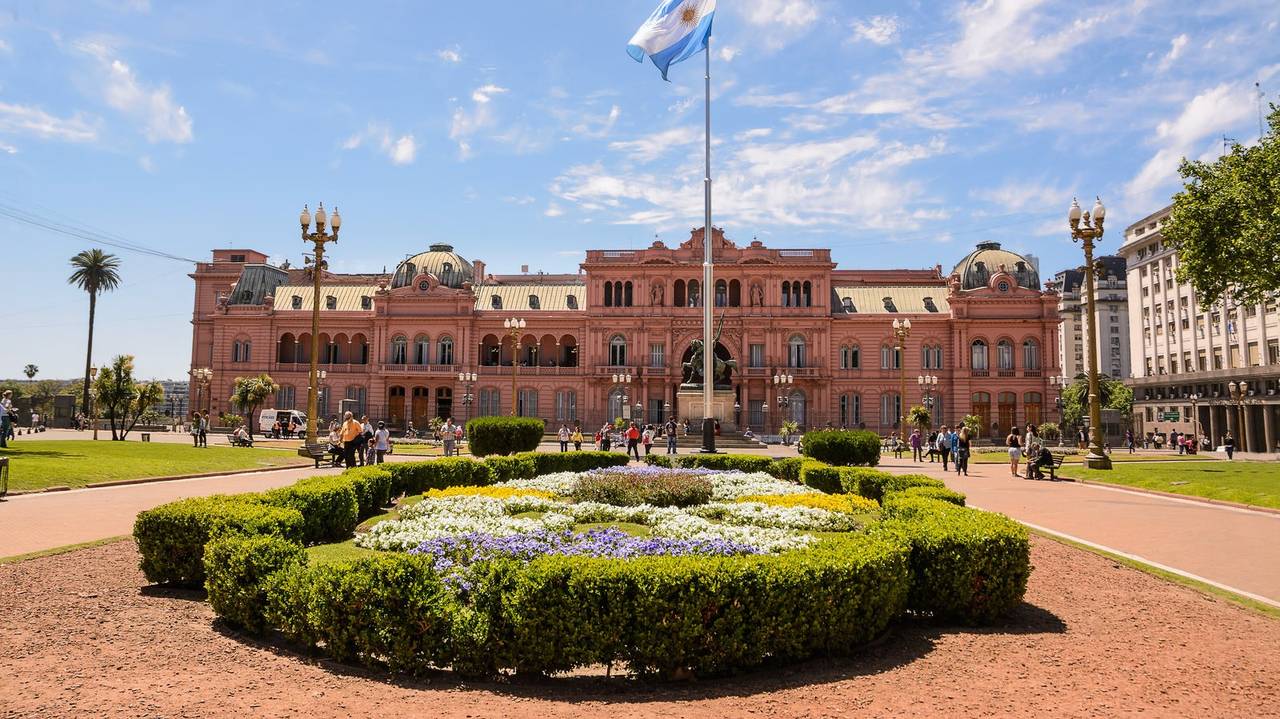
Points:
x=689, y=15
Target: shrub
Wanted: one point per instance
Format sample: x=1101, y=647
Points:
x=328, y=505
x=940, y=493
x=843, y=447
x=552, y=462
x=504, y=435
x=628, y=489
x=787, y=468
x=235, y=570
x=820, y=476
x=505, y=468
x=373, y=487
x=418, y=477
x=658, y=460
x=171, y=538
x=874, y=484
x=967, y=565
x=739, y=462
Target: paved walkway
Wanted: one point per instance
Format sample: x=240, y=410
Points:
x=1235, y=548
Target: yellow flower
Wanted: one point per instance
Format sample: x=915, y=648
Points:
x=850, y=503
x=495, y=492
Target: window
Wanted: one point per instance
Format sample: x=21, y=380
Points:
x=1273, y=352
x=528, y=403
x=444, y=351
x=566, y=405
x=330, y=302
x=421, y=350
x=495, y=302
x=534, y=302
x=571, y=301
x=756, y=354
x=1031, y=353
x=627, y=295
x=287, y=397
x=722, y=293
x=890, y=409
x=1004, y=355
x=786, y=293
x=889, y=306
x=695, y=299
x=929, y=305
x=296, y=302
x=850, y=410
x=847, y=303
x=678, y=297
x=808, y=294
x=1255, y=356
x=356, y=401
x=618, y=351
x=657, y=354
x=240, y=351
x=795, y=351
x=399, y=350
x=755, y=412
x=849, y=357
x=735, y=293
x=366, y=302
x=890, y=357
x=489, y=402
x=978, y=355
x=237, y=258
x=657, y=414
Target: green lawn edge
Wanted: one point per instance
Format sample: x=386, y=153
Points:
x=53, y=551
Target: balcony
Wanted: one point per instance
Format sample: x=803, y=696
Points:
x=1007, y=373
x=1031, y=373
x=305, y=367
x=979, y=373
x=421, y=370
x=526, y=371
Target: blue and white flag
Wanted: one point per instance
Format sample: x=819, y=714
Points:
x=676, y=31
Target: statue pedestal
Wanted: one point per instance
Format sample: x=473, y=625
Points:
x=691, y=406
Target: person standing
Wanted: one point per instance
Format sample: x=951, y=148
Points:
x=1128, y=440
x=916, y=443
x=943, y=445
x=195, y=429
x=962, y=451
x=1015, y=451
x=6, y=422
x=381, y=442
x=633, y=441
x=1229, y=443
x=646, y=438
x=563, y=435
x=349, y=432
x=576, y=438
x=670, y=429
x=605, y=440
x=366, y=441
x=204, y=429
x=449, y=437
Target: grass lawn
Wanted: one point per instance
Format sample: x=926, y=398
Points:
x=1002, y=457
x=1256, y=483
x=35, y=464
x=409, y=450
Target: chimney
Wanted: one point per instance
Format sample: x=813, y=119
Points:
x=479, y=269
x=524, y=269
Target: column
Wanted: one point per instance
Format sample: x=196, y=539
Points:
x=1233, y=422
x=1268, y=431
x=1212, y=429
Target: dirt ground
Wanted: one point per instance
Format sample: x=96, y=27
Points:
x=81, y=637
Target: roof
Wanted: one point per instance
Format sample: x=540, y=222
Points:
x=976, y=268
x=551, y=297
x=448, y=266
x=905, y=299
x=347, y=297
x=256, y=282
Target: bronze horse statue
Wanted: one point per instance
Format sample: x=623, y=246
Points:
x=721, y=368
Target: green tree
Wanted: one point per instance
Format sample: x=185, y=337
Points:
x=42, y=393
x=121, y=399
x=1225, y=225
x=920, y=417
x=30, y=371
x=1112, y=393
x=974, y=424
x=250, y=393
x=94, y=271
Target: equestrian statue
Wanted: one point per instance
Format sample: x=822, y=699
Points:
x=721, y=369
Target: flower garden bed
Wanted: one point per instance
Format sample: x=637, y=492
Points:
x=548, y=563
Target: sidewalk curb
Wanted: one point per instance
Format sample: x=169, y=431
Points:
x=149, y=480
x=1174, y=495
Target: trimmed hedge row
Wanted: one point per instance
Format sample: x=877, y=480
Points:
x=842, y=447
x=659, y=615
x=504, y=435
x=729, y=462
x=940, y=493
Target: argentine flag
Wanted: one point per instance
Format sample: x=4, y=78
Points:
x=676, y=31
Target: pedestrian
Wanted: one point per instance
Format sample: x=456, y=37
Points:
x=349, y=432
x=1229, y=443
x=204, y=429
x=6, y=420
x=382, y=442
x=195, y=429
x=1128, y=440
x=943, y=445
x=646, y=438
x=962, y=452
x=366, y=441
x=916, y=443
x=563, y=436
x=1177, y=439
x=633, y=441
x=576, y=438
x=1015, y=451
x=1082, y=439
x=670, y=431
x=449, y=437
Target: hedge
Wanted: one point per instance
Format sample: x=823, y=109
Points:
x=171, y=538
x=374, y=486
x=504, y=435
x=966, y=565
x=842, y=447
x=236, y=568
x=940, y=493
x=552, y=462
x=330, y=510
x=739, y=462
x=874, y=483
x=504, y=468
x=417, y=477
x=787, y=468
x=821, y=476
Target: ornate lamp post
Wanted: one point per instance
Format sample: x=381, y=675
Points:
x=1195, y=417
x=623, y=379
x=901, y=330
x=1059, y=383
x=514, y=325
x=318, y=239
x=1086, y=231
x=93, y=400
x=1236, y=392
x=927, y=384
x=468, y=379
x=781, y=380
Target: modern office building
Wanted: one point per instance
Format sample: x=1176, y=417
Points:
x=1111, y=314
x=1182, y=345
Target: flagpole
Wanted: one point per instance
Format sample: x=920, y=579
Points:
x=708, y=288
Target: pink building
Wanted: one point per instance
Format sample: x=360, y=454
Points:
x=393, y=345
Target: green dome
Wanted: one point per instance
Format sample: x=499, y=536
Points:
x=450, y=268
x=976, y=269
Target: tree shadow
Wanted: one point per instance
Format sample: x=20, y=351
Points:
x=170, y=591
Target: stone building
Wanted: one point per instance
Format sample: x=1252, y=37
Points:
x=393, y=345
x=1111, y=314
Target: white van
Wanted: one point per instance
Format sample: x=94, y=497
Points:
x=268, y=417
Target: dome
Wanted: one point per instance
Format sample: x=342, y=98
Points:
x=440, y=260
x=976, y=269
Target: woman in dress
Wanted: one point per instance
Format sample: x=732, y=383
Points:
x=1015, y=451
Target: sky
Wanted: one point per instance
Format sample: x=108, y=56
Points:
x=898, y=134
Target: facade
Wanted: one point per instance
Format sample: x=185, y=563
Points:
x=393, y=345
x=1182, y=344
x=1111, y=314
x=175, y=399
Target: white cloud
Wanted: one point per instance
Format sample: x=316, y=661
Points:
x=467, y=123
x=519, y=199
x=450, y=54
x=1026, y=195
x=30, y=120
x=597, y=126
x=651, y=147
x=401, y=150
x=774, y=23
x=878, y=29
x=5, y=47
x=1176, y=47
x=753, y=134
x=163, y=119
x=728, y=52
x=553, y=210
x=146, y=164
x=8, y=149
x=760, y=97
x=485, y=93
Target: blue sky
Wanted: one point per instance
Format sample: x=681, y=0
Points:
x=898, y=134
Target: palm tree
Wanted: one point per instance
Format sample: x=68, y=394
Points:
x=95, y=271
x=30, y=371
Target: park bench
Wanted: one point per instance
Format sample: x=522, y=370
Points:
x=235, y=441
x=316, y=451
x=1052, y=467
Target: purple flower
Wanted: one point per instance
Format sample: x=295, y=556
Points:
x=450, y=553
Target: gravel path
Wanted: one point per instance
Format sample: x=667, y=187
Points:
x=1094, y=640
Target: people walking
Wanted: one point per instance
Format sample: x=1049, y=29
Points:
x=6, y=421
x=916, y=444
x=1229, y=443
x=204, y=429
x=563, y=436
x=670, y=431
x=381, y=442
x=449, y=437
x=942, y=443
x=633, y=441
x=349, y=432
x=962, y=452
x=576, y=438
x=605, y=442
x=646, y=438
x=1015, y=451
x=1128, y=440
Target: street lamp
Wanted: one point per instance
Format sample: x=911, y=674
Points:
x=468, y=379
x=780, y=380
x=1195, y=417
x=1060, y=383
x=1085, y=230
x=623, y=379
x=319, y=239
x=901, y=330
x=1236, y=392
x=927, y=384
x=93, y=399
x=514, y=325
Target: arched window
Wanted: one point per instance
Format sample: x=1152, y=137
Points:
x=421, y=350
x=808, y=294
x=296, y=302
x=722, y=293
x=847, y=303
x=795, y=294
x=978, y=356
x=926, y=357
x=890, y=357
x=677, y=298
x=795, y=351
x=444, y=351
x=786, y=293
x=617, y=400
x=495, y=301
x=796, y=407
x=890, y=410
x=1004, y=355
x=571, y=301
x=399, y=351
x=735, y=293
x=534, y=302
x=359, y=349
x=618, y=351
x=1031, y=354
x=288, y=348
x=850, y=409
x=330, y=302
x=627, y=294
x=937, y=357
x=608, y=294
x=695, y=298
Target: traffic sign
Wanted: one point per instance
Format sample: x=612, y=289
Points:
x=1170, y=416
